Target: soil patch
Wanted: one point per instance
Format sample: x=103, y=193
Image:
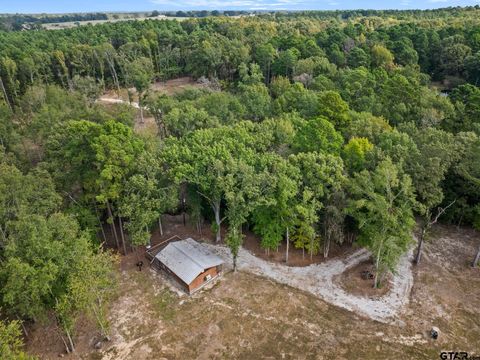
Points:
x=359, y=280
x=174, y=86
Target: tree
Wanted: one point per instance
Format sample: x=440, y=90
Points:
x=321, y=176
x=88, y=87
x=452, y=58
x=243, y=192
x=381, y=204
x=381, y=57
x=145, y=197
x=9, y=85
x=356, y=152
x=317, y=135
x=159, y=105
x=265, y=55
x=332, y=107
x=285, y=62
x=205, y=159
x=275, y=217
x=183, y=120
x=256, y=100
x=140, y=73
x=91, y=288
x=468, y=168
x=11, y=343
x=358, y=57
x=427, y=167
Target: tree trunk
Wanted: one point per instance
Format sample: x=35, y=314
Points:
x=7, y=100
x=65, y=344
x=4, y=237
x=420, y=244
x=111, y=64
x=72, y=347
x=122, y=235
x=326, y=247
x=140, y=105
x=112, y=225
x=100, y=222
x=377, y=263
x=477, y=258
x=216, y=209
x=311, y=249
x=160, y=227
x=23, y=327
x=288, y=241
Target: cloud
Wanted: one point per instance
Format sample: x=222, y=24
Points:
x=230, y=4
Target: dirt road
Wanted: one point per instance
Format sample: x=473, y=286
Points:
x=319, y=279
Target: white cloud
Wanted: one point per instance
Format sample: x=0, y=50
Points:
x=228, y=4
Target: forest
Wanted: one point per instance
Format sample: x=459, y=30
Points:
x=313, y=128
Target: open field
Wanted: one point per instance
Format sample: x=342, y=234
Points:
x=246, y=316
x=71, y=24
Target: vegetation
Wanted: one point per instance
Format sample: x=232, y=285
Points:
x=314, y=128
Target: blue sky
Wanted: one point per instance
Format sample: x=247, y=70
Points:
x=61, y=6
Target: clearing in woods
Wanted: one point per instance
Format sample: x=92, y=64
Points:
x=169, y=87
x=246, y=316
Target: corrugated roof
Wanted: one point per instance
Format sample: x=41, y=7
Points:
x=187, y=259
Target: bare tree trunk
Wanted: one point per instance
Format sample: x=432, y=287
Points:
x=112, y=225
x=160, y=227
x=140, y=105
x=72, y=346
x=4, y=237
x=7, y=100
x=377, y=264
x=111, y=64
x=65, y=344
x=288, y=243
x=311, y=248
x=477, y=258
x=100, y=222
x=326, y=247
x=122, y=235
x=23, y=326
x=216, y=209
x=428, y=222
x=418, y=256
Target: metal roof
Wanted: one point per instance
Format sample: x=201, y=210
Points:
x=187, y=259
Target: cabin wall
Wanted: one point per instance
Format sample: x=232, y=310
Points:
x=200, y=279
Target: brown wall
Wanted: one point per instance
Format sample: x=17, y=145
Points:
x=199, y=280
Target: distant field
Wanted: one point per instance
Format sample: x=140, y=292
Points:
x=70, y=24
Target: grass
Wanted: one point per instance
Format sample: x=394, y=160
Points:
x=164, y=305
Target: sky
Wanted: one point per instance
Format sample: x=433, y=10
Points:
x=66, y=6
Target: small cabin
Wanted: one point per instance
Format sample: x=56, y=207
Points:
x=190, y=263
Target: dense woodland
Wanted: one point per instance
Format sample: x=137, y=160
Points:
x=315, y=127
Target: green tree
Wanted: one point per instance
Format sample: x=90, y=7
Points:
x=317, y=135
x=185, y=119
x=140, y=73
x=381, y=203
x=381, y=57
x=256, y=100
x=356, y=152
x=11, y=343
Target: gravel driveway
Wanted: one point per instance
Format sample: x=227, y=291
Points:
x=318, y=279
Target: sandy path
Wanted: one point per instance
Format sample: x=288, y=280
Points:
x=318, y=279
x=109, y=100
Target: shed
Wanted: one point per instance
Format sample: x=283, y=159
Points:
x=192, y=264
